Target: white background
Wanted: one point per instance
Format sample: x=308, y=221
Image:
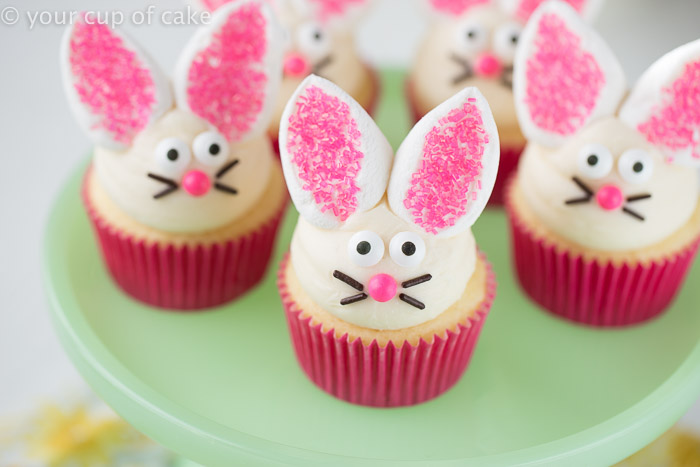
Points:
x=40, y=145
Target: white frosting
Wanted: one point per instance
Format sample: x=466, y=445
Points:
x=346, y=68
x=316, y=253
x=124, y=176
x=545, y=177
x=434, y=70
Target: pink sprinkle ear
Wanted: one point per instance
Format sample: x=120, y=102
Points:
x=445, y=169
x=665, y=105
x=565, y=75
x=115, y=90
x=455, y=7
x=319, y=131
x=229, y=72
x=328, y=9
x=525, y=8
x=324, y=141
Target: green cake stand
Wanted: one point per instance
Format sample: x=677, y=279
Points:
x=223, y=387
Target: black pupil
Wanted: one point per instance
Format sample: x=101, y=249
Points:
x=214, y=149
x=408, y=248
x=173, y=155
x=592, y=160
x=318, y=35
x=363, y=247
x=514, y=39
x=471, y=34
x=638, y=167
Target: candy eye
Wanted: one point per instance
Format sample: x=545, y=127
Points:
x=595, y=161
x=472, y=37
x=211, y=149
x=366, y=248
x=172, y=156
x=313, y=40
x=407, y=249
x=506, y=40
x=636, y=166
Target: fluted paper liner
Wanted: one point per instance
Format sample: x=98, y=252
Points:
x=591, y=291
x=184, y=277
x=398, y=374
x=510, y=155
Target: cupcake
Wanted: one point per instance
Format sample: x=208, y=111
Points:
x=472, y=43
x=604, y=208
x=384, y=290
x=320, y=40
x=184, y=192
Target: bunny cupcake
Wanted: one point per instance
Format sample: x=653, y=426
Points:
x=184, y=192
x=384, y=289
x=604, y=210
x=472, y=43
x=320, y=40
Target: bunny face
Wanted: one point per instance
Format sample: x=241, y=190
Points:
x=473, y=43
x=320, y=40
x=202, y=163
x=379, y=246
x=605, y=181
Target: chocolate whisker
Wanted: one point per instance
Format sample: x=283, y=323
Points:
x=412, y=301
x=632, y=213
x=348, y=280
x=634, y=198
x=586, y=199
x=323, y=63
x=353, y=299
x=416, y=281
x=225, y=189
x=224, y=170
x=582, y=185
x=467, y=71
x=507, y=77
x=172, y=185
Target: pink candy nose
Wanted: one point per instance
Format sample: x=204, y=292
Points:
x=196, y=183
x=488, y=65
x=296, y=65
x=609, y=197
x=382, y=287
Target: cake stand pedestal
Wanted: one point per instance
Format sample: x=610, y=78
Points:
x=223, y=388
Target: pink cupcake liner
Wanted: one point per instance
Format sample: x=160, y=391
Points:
x=510, y=155
x=591, y=292
x=188, y=277
x=389, y=376
x=371, y=108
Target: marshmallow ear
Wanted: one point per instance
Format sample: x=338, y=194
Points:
x=446, y=167
x=565, y=75
x=335, y=158
x=665, y=104
x=454, y=7
x=523, y=9
x=230, y=71
x=114, y=88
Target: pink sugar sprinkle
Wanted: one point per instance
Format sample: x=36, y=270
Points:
x=677, y=125
x=456, y=7
x=227, y=83
x=111, y=80
x=563, y=81
x=527, y=7
x=327, y=9
x=324, y=143
x=449, y=173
